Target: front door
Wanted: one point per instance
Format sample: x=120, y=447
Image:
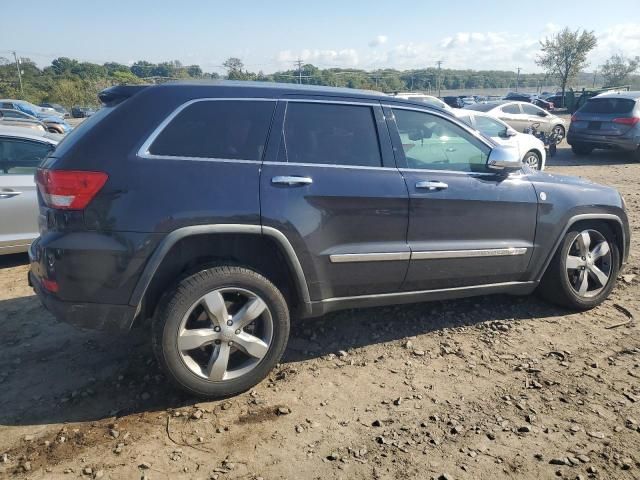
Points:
x=468, y=225
x=18, y=196
x=332, y=188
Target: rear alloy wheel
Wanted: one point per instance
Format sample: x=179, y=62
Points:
x=584, y=270
x=222, y=331
x=559, y=133
x=533, y=160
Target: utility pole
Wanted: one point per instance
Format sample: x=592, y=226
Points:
x=518, y=79
x=299, y=64
x=439, y=80
x=15, y=57
x=595, y=72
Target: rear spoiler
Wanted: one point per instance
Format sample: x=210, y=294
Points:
x=114, y=95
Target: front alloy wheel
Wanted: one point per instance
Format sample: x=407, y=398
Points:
x=589, y=263
x=532, y=159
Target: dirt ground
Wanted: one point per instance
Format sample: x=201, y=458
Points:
x=483, y=388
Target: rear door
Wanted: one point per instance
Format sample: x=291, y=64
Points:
x=512, y=115
x=468, y=225
x=331, y=186
x=18, y=198
x=536, y=115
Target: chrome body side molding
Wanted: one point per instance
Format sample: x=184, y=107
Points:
x=426, y=255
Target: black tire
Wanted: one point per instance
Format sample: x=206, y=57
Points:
x=555, y=285
x=530, y=155
x=636, y=155
x=175, y=306
x=580, y=149
x=560, y=132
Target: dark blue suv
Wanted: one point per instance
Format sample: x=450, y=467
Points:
x=221, y=209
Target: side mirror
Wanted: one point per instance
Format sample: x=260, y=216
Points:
x=542, y=114
x=510, y=132
x=504, y=158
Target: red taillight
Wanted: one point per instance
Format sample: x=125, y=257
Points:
x=574, y=117
x=627, y=120
x=50, y=285
x=69, y=189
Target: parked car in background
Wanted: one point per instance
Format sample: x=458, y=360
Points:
x=522, y=115
x=21, y=152
x=531, y=149
x=51, y=124
x=556, y=100
x=420, y=97
x=16, y=118
x=453, y=102
x=82, y=112
x=309, y=200
x=467, y=100
x=54, y=123
x=539, y=102
x=610, y=121
x=58, y=108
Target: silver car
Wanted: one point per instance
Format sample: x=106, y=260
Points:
x=523, y=115
x=21, y=151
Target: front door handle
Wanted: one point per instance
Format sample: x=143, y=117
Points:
x=432, y=185
x=291, y=180
x=9, y=193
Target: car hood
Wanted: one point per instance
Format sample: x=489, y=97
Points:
x=585, y=191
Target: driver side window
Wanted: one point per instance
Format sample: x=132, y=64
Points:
x=435, y=143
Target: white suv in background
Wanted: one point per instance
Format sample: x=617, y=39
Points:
x=421, y=97
x=530, y=148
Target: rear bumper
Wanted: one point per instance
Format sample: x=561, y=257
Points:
x=94, y=316
x=603, y=141
x=86, y=315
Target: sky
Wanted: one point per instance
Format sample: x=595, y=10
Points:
x=270, y=36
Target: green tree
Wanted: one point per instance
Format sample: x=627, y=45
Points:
x=564, y=55
x=617, y=69
x=234, y=67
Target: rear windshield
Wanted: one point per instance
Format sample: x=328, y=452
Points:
x=608, y=105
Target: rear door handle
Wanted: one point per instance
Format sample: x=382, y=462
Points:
x=291, y=180
x=432, y=185
x=9, y=193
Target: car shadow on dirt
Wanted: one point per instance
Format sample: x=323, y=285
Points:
x=566, y=158
x=52, y=373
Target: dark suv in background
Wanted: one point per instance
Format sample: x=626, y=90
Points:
x=610, y=121
x=220, y=209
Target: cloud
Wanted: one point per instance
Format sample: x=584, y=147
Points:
x=347, y=57
x=378, y=41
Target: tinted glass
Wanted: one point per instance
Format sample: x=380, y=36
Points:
x=489, y=126
x=530, y=109
x=331, y=134
x=230, y=129
x=434, y=143
x=21, y=157
x=511, y=109
x=481, y=107
x=608, y=105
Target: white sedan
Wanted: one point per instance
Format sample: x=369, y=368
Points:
x=531, y=149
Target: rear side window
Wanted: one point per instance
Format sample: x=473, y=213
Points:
x=21, y=157
x=513, y=109
x=334, y=134
x=608, y=105
x=229, y=129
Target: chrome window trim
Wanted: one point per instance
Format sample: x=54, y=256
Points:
x=331, y=165
x=337, y=102
x=143, y=151
x=427, y=255
x=479, y=253
x=369, y=257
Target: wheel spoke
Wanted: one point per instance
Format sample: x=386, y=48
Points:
x=573, y=262
x=218, y=362
x=584, y=242
x=213, y=303
x=196, y=338
x=599, y=275
x=249, y=312
x=584, y=282
x=600, y=250
x=251, y=345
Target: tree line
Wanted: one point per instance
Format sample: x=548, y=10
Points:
x=71, y=82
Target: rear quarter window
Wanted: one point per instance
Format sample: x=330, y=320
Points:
x=227, y=129
x=608, y=105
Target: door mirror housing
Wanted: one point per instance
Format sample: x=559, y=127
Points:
x=508, y=133
x=543, y=114
x=504, y=158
